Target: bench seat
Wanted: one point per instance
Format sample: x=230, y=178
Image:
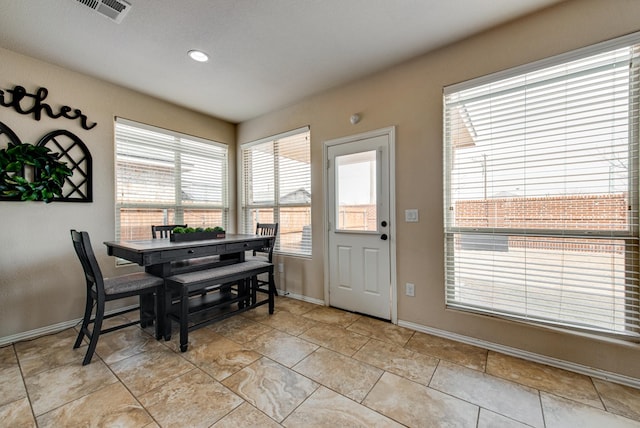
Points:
x=192, y=313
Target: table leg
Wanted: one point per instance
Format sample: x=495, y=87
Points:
x=160, y=313
x=147, y=311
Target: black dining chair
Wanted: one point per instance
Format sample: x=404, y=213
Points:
x=163, y=231
x=266, y=229
x=101, y=290
x=265, y=253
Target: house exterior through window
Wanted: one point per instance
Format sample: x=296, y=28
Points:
x=163, y=177
x=541, y=191
x=276, y=188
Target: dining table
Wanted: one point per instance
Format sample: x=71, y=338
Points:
x=163, y=257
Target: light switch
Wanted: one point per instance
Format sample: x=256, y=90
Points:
x=411, y=216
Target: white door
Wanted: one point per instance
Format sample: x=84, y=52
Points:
x=359, y=223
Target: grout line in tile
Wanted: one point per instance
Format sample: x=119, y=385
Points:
x=544, y=416
x=135, y=397
x=604, y=405
x=303, y=401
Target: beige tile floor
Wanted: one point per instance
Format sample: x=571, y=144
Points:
x=304, y=366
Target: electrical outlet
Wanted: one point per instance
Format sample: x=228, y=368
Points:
x=410, y=289
x=280, y=267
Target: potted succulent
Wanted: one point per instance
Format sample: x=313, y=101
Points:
x=48, y=173
x=181, y=234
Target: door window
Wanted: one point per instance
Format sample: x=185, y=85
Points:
x=356, y=190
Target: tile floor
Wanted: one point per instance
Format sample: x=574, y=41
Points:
x=304, y=366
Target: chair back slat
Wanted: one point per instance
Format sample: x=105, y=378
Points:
x=92, y=272
x=164, y=230
x=267, y=229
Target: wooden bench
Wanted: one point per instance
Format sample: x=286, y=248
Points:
x=220, y=297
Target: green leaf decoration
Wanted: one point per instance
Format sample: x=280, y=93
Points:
x=198, y=229
x=51, y=173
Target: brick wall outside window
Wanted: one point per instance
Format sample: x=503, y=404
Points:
x=567, y=212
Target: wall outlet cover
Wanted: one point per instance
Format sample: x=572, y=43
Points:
x=411, y=216
x=410, y=289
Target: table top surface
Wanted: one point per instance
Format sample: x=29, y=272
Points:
x=161, y=244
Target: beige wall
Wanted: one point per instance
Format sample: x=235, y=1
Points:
x=40, y=278
x=41, y=281
x=409, y=96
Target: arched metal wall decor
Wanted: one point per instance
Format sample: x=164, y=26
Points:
x=7, y=133
x=70, y=149
x=7, y=136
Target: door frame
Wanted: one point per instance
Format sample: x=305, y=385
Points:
x=390, y=132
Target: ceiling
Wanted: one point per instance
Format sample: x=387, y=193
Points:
x=264, y=54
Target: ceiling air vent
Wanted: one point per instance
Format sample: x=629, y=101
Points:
x=112, y=9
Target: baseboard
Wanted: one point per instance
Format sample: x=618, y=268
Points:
x=300, y=297
x=43, y=331
x=50, y=329
x=526, y=355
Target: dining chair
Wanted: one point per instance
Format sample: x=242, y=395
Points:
x=101, y=290
x=265, y=253
x=266, y=229
x=163, y=231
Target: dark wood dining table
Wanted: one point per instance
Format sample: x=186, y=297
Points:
x=158, y=256
x=163, y=257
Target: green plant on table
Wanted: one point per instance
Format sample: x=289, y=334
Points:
x=179, y=229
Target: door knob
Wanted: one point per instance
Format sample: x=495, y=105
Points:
x=384, y=223
x=384, y=236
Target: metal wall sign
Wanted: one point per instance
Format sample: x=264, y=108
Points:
x=68, y=148
x=33, y=104
x=64, y=145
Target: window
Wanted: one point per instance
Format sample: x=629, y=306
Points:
x=276, y=188
x=541, y=191
x=163, y=177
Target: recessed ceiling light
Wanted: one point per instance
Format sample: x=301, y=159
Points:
x=198, y=55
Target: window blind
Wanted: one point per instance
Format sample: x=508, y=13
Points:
x=541, y=191
x=163, y=177
x=276, y=188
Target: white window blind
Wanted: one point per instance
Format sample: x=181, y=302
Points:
x=276, y=188
x=541, y=191
x=163, y=177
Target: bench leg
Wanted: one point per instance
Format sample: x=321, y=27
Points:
x=247, y=292
x=248, y=287
x=243, y=294
x=272, y=292
x=253, y=288
x=168, y=302
x=184, y=319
